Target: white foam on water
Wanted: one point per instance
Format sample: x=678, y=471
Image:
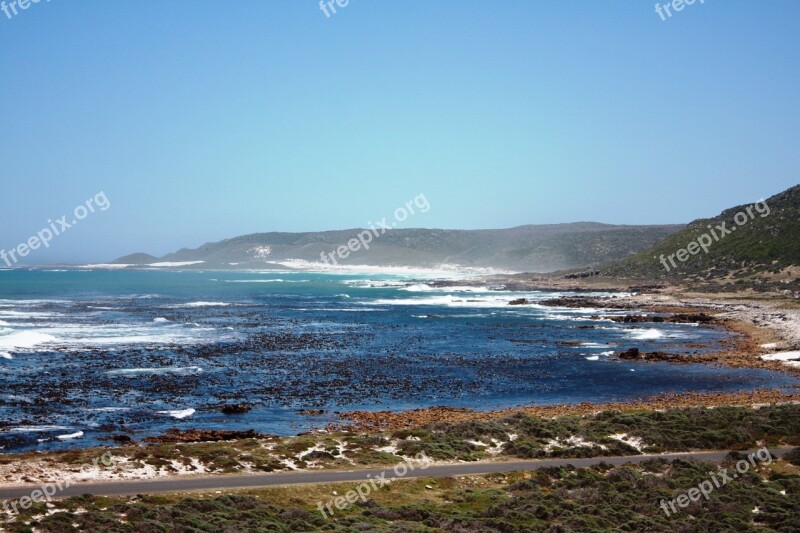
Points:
x=267, y=281
x=277, y=280
x=34, y=429
x=5, y=313
x=16, y=303
x=15, y=397
x=551, y=316
x=606, y=354
x=164, y=370
x=374, y=283
x=567, y=313
x=593, y=358
x=109, y=409
x=340, y=310
x=424, y=287
x=457, y=301
x=160, y=320
x=179, y=414
x=25, y=340
x=6, y=355
x=76, y=435
x=77, y=336
x=202, y=304
x=106, y=266
x=646, y=334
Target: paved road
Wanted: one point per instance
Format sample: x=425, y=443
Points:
x=231, y=482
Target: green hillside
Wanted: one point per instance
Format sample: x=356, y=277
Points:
x=755, y=245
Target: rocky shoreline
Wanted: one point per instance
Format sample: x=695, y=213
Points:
x=764, y=327
x=766, y=323
x=358, y=421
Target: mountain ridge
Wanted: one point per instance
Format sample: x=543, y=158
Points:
x=530, y=247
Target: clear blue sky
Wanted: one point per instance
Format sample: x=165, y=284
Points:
x=205, y=120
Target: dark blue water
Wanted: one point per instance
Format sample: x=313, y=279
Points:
x=111, y=352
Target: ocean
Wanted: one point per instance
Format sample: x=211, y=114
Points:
x=86, y=353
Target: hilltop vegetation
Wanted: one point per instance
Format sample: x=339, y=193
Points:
x=763, y=253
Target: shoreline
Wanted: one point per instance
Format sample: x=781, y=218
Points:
x=501, y=438
x=756, y=322
x=396, y=436
x=762, y=328
x=366, y=421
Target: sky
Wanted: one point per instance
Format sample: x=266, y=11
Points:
x=200, y=121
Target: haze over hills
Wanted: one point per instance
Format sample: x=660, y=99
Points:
x=531, y=248
x=761, y=249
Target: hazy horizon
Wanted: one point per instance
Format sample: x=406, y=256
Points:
x=352, y=231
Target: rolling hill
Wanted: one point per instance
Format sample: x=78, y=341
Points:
x=753, y=245
x=532, y=248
